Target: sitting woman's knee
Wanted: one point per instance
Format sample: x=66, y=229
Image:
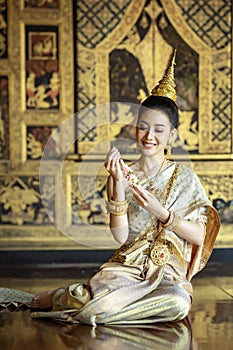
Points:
x=182, y=306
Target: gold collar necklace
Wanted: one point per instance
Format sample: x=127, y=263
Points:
x=151, y=183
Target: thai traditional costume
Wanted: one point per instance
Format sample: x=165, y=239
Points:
x=147, y=280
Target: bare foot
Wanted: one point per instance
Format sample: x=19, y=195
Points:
x=44, y=300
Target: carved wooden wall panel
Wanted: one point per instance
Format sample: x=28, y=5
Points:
x=63, y=66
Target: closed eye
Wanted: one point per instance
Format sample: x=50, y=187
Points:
x=145, y=128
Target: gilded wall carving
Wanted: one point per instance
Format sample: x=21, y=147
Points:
x=21, y=200
x=52, y=68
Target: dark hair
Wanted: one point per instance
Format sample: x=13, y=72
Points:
x=163, y=104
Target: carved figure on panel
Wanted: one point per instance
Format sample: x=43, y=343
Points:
x=34, y=150
x=20, y=201
x=41, y=97
x=42, y=85
x=37, y=138
x=17, y=198
x=42, y=45
x=54, y=89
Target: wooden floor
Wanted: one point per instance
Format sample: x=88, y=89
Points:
x=209, y=326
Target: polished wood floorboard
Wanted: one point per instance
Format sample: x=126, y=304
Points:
x=210, y=327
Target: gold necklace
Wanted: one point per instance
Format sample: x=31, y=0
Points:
x=151, y=183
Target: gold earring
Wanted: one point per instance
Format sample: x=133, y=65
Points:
x=168, y=153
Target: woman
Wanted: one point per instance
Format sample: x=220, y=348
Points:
x=161, y=215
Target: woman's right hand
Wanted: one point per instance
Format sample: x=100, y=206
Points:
x=112, y=164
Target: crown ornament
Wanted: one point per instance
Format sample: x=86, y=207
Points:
x=166, y=86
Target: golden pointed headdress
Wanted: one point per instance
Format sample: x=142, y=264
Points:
x=166, y=86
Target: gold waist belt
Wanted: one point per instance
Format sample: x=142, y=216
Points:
x=159, y=251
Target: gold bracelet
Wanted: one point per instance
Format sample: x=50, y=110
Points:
x=118, y=202
x=170, y=219
x=117, y=207
x=118, y=213
x=174, y=222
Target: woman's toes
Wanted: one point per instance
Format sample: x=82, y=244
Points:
x=34, y=304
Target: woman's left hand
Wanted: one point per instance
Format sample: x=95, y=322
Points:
x=147, y=200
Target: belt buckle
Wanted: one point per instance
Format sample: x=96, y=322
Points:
x=160, y=254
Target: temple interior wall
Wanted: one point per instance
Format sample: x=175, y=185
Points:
x=72, y=75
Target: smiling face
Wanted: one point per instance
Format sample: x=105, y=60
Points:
x=154, y=132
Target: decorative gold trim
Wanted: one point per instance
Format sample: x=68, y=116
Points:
x=66, y=58
x=14, y=53
x=34, y=16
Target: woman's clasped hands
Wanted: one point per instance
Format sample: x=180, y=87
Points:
x=144, y=198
